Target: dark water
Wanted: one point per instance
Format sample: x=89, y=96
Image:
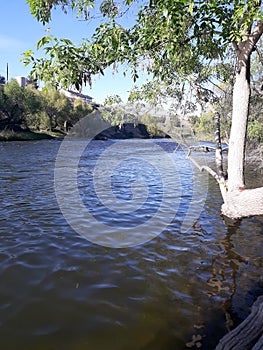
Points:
x=58, y=291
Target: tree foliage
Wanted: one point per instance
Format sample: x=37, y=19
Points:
x=112, y=99
x=187, y=51
x=186, y=35
x=28, y=108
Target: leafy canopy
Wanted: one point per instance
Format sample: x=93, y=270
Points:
x=168, y=38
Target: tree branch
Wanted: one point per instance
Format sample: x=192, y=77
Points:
x=236, y=48
x=257, y=32
x=203, y=167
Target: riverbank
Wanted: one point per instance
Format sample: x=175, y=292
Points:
x=126, y=131
x=28, y=135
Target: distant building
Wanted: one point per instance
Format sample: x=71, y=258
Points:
x=73, y=95
x=22, y=81
x=2, y=80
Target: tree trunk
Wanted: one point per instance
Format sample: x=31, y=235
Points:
x=238, y=201
x=237, y=141
x=243, y=203
x=218, y=152
x=249, y=334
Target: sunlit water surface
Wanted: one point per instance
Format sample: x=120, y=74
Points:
x=58, y=291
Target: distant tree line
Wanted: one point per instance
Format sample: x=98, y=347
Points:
x=27, y=108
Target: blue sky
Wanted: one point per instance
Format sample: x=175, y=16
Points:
x=20, y=32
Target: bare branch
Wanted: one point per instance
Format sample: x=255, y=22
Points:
x=217, y=86
x=203, y=167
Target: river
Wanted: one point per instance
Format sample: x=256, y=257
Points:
x=182, y=286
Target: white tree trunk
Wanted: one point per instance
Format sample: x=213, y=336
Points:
x=238, y=201
x=239, y=204
x=236, y=154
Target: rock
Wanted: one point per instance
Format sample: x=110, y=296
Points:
x=126, y=131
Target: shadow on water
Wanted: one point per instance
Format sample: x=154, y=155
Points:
x=232, y=279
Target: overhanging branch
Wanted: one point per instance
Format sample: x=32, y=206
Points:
x=203, y=167
x=220, y=180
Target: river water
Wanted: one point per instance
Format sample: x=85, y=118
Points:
x=183, y=287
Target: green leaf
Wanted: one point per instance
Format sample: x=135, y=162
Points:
x=43, y=41
x=28, y=53
x=67, y=41
x=165, y=12
x=191, y=7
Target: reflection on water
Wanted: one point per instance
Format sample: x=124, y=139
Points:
x=59, y=291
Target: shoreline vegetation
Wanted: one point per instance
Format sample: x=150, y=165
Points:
x=127, y=131
x=28, y=114
x=28, y=135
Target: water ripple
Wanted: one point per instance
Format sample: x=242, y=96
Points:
x=59, y=291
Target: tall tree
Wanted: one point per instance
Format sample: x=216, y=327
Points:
x=19, y=105
x=14, y=106
x=57, y=107
x=186, y=35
